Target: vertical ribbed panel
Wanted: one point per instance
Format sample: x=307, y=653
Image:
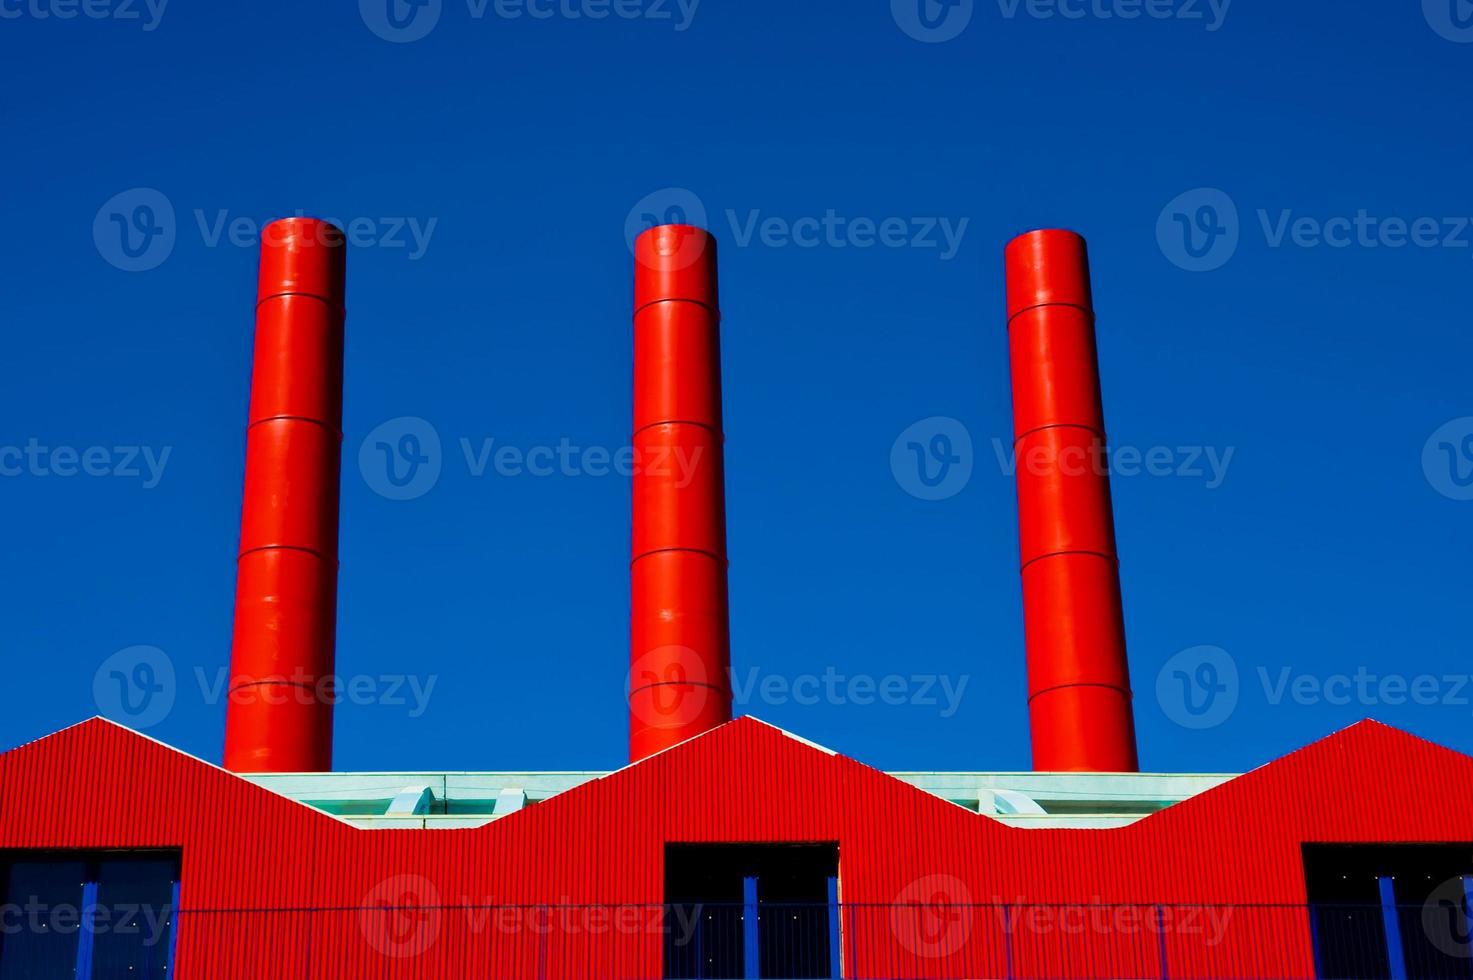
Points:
x=101, y=786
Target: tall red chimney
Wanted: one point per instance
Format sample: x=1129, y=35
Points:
x=279, y=715
x=1078, y=681
x=679, y=678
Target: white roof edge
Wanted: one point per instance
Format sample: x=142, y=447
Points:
x=599, y=774
x=797, y=738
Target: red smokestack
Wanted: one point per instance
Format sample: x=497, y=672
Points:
x=680, y=647
x=279, y=716
x=1078, y=681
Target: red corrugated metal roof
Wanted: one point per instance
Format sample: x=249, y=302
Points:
x=98, y=785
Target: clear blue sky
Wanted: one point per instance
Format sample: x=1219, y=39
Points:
x=1332, y=542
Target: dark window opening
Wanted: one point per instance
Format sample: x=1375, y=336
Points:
x=751, y=910
x=93, y=915
x=1390, y=910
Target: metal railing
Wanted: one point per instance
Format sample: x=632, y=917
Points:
x=711, y=941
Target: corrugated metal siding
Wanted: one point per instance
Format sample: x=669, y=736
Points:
x=98, y=785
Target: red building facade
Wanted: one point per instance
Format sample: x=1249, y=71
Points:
x=576, y=886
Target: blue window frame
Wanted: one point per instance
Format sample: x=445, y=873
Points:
x=1398, y=911
x=752, y=911
x=37, y=937
x=96, y=915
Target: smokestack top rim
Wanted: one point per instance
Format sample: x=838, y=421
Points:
x=654, y=231
x=675, y=262
x=1047, y=267
x=302, y=256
